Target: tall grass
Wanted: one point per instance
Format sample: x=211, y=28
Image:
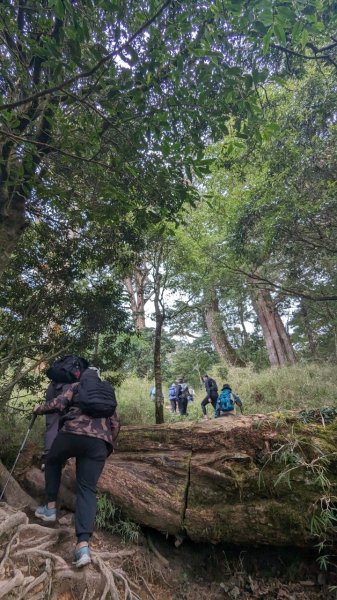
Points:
x=302, y=386
x=135, y=406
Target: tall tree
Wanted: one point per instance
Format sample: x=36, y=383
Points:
x=279, y=347
x=137, y=286
x=218, y=335
x=99, y=83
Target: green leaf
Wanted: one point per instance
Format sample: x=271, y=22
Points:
x=161, y=116
x=266, y=40
x=75, y=50
x=266, y=16
x=296, y=32
x=269, y=130
x=280, y=33
x=285, y=13
x=59, y=9
x=304, y=38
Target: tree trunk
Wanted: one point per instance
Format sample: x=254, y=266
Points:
x=12, y=225
x=135, y=286
x=279, y=348
x=158, y=382
x=218, y=335
x=157, y=371
x=215, y=481
x=241, y=311
x=15, y=188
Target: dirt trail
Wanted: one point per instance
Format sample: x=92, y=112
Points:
x=35, y=564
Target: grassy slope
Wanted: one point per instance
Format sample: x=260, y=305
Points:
x=302, y=386
x=297, y=387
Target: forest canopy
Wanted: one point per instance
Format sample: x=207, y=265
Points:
x=168, y=186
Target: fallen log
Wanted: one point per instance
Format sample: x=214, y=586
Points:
x=240, y=479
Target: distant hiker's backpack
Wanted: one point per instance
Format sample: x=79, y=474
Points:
x=67, y=369
x=225, y=402
x=212, y=388
x=96, y=398
x=172, y=392
x=184, y=393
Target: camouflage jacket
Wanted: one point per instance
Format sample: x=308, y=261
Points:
x=74, y=421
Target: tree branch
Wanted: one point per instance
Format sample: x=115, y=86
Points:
x=50, y=148
x=95, y=68
x=325, y=57
x=291, y=292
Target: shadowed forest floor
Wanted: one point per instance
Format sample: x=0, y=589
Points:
x=156, y=569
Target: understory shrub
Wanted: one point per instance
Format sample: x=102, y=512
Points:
x=109, y=518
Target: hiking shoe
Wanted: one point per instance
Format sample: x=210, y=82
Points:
x=46, y=514
x=82, y=557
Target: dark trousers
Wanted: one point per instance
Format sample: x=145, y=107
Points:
x=90, y=456
x=51, y=431
x=205, y=403
x=182, y=405
x=173, y=405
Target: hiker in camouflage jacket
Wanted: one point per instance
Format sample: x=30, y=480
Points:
x=90, y=441
x=74, y=421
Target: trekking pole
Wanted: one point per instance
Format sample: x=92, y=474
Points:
x=30, y=427
x=240, y=406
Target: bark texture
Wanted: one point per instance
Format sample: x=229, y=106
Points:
x=278, y=344
x=215, y=481
x=12, y=224
x=135, y=285
x=158, y=379
x=218, y=335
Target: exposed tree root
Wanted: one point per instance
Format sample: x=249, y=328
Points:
x=31, y=568
x=147, y=588
x=156, y=552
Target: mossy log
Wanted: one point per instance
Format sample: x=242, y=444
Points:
x=219, y=480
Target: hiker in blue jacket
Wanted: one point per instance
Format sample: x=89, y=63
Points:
x=226, y=402
x=172, y=393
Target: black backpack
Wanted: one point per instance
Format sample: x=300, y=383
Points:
x=184, y=393
x=63, y=369
x=213, y=388
x=96, y=398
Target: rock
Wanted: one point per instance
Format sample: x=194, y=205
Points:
x=215, y=481
x=67, y=520
x=13, y=494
